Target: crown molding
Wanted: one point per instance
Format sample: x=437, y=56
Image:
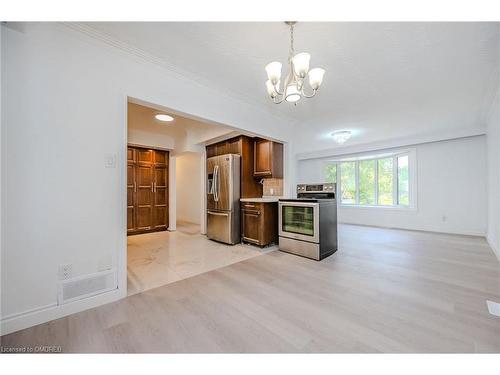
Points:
x=165, y=64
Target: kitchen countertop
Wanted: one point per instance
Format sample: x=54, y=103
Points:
x=260, y=200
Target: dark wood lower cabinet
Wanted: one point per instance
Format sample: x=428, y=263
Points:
x=147, y=190
x=259, y=223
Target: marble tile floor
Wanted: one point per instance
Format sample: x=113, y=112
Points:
x=161, y=258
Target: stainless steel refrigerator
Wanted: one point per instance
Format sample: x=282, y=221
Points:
x=223, y=198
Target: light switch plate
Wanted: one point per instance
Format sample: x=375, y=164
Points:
x=110, y=161
x=493, y=307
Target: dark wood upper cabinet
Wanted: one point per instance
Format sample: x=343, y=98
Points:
x=268, y=159
x=211, y=150
x=234, y=145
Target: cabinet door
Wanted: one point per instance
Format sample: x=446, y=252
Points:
x=130, y=155
x=211, y=151
x=251, y=226
x=160, y=203
x=234, y=146
x=221, y=148
x=262, y=157
x=144, y=156
x=144, y=197
x=160, y=158
x=131, y=184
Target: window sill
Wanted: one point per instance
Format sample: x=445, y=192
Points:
x=390, y=208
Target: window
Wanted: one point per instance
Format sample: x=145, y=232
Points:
x=382, y=181
x=348, y=182
x=385, y=175
x=367, y=182
x=403, y=180
x=331, y=173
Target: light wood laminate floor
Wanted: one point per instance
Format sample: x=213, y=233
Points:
x=383, y=291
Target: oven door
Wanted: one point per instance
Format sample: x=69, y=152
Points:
x=299, y=220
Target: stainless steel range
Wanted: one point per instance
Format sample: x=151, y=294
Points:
x=308, y=224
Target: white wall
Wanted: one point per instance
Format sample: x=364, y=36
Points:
x=63, y=111
x=451, y=178
x=188, y=177
x=493, y=138
x=142, y=138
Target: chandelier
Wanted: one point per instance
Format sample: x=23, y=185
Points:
x=298, y=70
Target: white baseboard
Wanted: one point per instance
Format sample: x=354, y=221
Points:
x=494, y=247
x=47, y=313
x=421, y=229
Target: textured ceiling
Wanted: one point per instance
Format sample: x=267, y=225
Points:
x=383, y=80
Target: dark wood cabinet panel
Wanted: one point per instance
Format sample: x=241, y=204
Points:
x=268, y=158
x=143, y=156
x=262, y=157
x=160, y=158
x=251, y=224
x=221, y=148
x=147, y=190
x=233, y=146
x=259, y=223
x=211, y=151
x=130, y=155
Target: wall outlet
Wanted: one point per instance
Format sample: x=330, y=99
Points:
x=65, y=271
x=272, y=191
x=110, y=161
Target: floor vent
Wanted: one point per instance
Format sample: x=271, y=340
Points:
x=86, y=286
x=493, y=307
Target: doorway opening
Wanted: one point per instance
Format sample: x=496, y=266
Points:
x=166, y=198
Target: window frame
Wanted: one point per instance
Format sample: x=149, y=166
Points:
x=412, y=179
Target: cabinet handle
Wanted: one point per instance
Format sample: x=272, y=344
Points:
x=152, y=187
x=217, y=213
x=251, y=212
x=135, y=186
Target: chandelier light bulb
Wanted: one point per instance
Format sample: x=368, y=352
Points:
x=292, y=94
x=316, y=77
x=341, y=136
x=301, y=64
x=273, y=70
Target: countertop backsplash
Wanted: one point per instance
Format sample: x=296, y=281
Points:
x=272, y=187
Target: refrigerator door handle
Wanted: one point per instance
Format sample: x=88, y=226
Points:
x=216, y=183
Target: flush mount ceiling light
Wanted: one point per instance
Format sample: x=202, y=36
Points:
x=298, y=70
x=163, y=117
x=341, y=136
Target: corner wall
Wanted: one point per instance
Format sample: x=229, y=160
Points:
x=493, y=141
x=188, y=183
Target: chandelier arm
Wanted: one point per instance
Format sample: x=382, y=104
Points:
x=308, y=96
x=304, y=93
x=280, y=101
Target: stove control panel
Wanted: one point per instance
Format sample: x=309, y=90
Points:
x=327, y=187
